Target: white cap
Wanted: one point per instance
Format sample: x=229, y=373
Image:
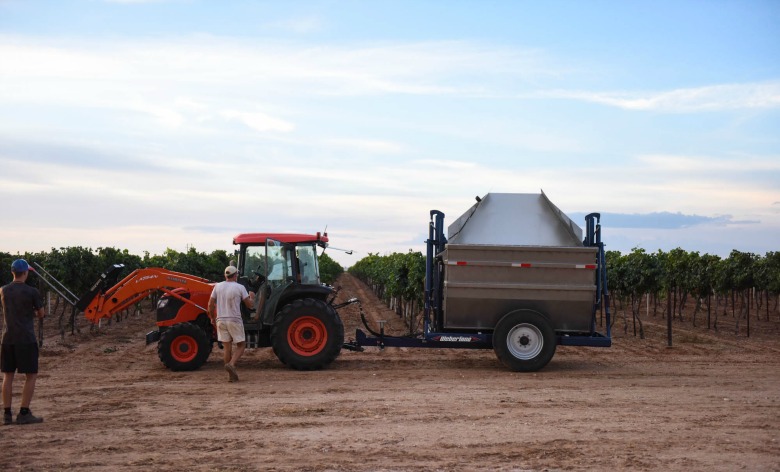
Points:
x=230, y=271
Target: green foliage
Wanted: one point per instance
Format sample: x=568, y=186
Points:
x=638, y=273
x=703, y=275
x=740, y=264
x=401, y=275
x=395, y=275
x=329, y=269
x=209, y=266
x=767, y=272
x=641, y=273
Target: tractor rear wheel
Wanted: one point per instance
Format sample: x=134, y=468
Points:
x=524, y=340
x=184, y=346
x=307, y=334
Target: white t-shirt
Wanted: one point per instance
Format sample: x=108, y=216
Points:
x=229, y=295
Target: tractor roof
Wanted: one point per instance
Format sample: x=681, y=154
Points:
x=261, y=238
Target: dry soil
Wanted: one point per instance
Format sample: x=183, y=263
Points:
x=711, y=402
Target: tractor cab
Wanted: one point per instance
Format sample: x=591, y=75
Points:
x=279, y=268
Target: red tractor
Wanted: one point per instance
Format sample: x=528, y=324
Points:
x=294, y=312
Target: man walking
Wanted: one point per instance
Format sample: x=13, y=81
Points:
x=225, y=311
x=19, y=350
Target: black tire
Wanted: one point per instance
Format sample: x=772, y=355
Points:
x=204, y=323
x=184, y=346
x=307, y=334
x=524, y=340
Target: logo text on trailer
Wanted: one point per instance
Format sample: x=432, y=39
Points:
x=456, y=339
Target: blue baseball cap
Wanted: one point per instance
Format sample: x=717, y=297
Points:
x=19, y=266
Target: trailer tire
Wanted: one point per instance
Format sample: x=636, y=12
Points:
x=184, y=346
x=307, y=334
x=524, y=340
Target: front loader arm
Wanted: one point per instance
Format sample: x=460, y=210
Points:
x=138, y=285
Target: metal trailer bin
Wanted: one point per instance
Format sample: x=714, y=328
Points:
x=483, y=283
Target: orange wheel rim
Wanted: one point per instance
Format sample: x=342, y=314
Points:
x=307, y=336
x=184, y=348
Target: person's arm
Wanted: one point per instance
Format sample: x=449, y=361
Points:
x=212, y=310
x=249, y=300
x=38, y=307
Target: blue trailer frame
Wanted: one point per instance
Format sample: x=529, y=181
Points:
x=433, y=337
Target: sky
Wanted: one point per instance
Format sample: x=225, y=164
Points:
x=149, y=125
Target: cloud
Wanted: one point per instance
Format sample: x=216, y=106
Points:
x=303, y=25
x=137, y=2
x=70, y=155
x=198, y=138
x=368, y=145
x=663, y=220
x=758, y=239
x=122, y=67
x=446, y=164
x=756, y=95
x=209, y=229
x=60, y=70
x=682, y=163
x=259, y=121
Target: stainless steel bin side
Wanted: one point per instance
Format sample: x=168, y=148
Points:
x=485, y=282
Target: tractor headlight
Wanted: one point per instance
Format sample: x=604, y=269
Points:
x=162, y=303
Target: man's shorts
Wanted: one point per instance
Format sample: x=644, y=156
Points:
x=22, y=358
x=230, y=331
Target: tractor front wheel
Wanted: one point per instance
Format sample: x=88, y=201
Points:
x=307, y=335
x=184, y=346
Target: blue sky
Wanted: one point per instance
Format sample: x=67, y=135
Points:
x=154, y=124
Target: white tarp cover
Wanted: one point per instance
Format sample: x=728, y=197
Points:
x=515, y=219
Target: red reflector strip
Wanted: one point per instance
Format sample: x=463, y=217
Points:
x=524, y=265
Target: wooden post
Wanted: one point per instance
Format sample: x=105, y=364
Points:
x=748, y=314
x=669, y=319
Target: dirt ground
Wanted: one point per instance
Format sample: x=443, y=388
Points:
x=711, y=402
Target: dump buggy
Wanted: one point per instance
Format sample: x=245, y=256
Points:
x=514, y=274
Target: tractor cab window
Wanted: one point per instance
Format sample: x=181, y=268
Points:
x=278, y=264
x=254, y=262
x=307, y=264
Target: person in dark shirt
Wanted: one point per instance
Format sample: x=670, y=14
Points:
x=19, y=349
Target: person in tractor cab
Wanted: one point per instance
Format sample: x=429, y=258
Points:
x=225, y=313
x=19, y=352
x=263, y=292
x=266, y=285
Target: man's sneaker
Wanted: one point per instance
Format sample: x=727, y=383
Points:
x=8, y=418
x=28, y=418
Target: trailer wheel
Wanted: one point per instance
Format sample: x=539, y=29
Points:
x=184, y=346
x=524, y=341
x=307, y=335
